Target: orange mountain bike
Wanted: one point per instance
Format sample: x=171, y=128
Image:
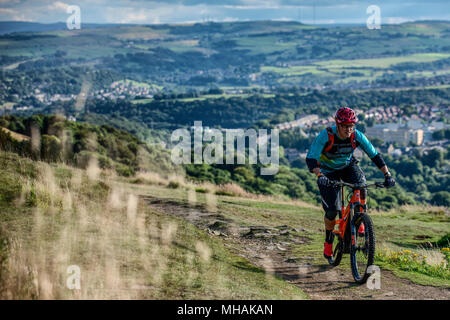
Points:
x=361, y=246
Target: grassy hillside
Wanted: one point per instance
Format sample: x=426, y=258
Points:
x=55, y=216
x=55, y=139
x=129, y=242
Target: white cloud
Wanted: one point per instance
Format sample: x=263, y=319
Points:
x=158, y=14
x=13, y=15
x=135, y=17
x=7, y=11
x=58, y=5
x=251, y=7
x=22, y=17
x=131, y=15
x=229, y=19
x=9, y=2
x=397, y=20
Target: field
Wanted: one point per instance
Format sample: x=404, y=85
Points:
x=344, y=71
x=133, y=83
x=382, y=62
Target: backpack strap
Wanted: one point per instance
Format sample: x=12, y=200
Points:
x=353, y=140
x=330, y=142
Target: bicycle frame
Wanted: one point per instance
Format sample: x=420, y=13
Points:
x=350, y=218
x=346, y=212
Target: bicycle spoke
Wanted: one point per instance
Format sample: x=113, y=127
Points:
x=361, y=253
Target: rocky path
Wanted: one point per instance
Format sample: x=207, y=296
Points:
x=265, y=248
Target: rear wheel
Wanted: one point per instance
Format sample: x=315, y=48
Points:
x=363, y=251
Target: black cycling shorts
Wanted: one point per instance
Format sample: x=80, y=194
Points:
x=331, y=196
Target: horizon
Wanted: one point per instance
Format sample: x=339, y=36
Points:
x=218, y=22
x=310, y=12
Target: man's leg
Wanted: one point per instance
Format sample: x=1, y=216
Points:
x=331, y=206
x=330, y=221
x=353, y=174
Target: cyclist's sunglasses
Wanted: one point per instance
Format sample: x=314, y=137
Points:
x=348, y=127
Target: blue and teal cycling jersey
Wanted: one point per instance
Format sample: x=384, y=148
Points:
x=341, y=153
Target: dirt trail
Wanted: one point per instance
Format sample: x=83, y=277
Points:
x=262, y=247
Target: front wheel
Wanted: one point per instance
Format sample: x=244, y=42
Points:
x=337, y=252
x=363, y=248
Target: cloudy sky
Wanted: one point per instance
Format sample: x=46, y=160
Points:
x=179, y=11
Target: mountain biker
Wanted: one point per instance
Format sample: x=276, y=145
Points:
x=331, y=158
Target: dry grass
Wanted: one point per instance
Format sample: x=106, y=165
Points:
x=17, y=136
x=234, y=189
x=121, y=248
x=66, y=219
x=147, y=177
x=229, y=189
x=77, y=226
x=413, y=208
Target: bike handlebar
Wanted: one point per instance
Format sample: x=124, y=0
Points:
x=357, y=186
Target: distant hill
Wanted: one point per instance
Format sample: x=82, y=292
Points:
x=21, y=26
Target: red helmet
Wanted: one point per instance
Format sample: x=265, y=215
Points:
x=345, y=115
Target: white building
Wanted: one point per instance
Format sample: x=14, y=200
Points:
x=415, y=124
x=301, y=122
x=401, y=136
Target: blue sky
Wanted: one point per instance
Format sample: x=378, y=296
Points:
x=181, y=11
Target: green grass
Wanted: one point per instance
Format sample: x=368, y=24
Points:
x=224, y=276
x=137, y=84
x=409, y=264
x=205, y=97
x=382, y=62
x=141, y=101
x=426, y=74
x=408, y=228
x=293, y=71
x=252, y=212
x=264, y=44
x=339, y=65
x=335, y=68
x=412, y=226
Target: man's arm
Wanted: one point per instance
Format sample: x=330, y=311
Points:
x=385, y=170
x=373, y=154
x=313, y=156
x=376, y=157
x=317, y=172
